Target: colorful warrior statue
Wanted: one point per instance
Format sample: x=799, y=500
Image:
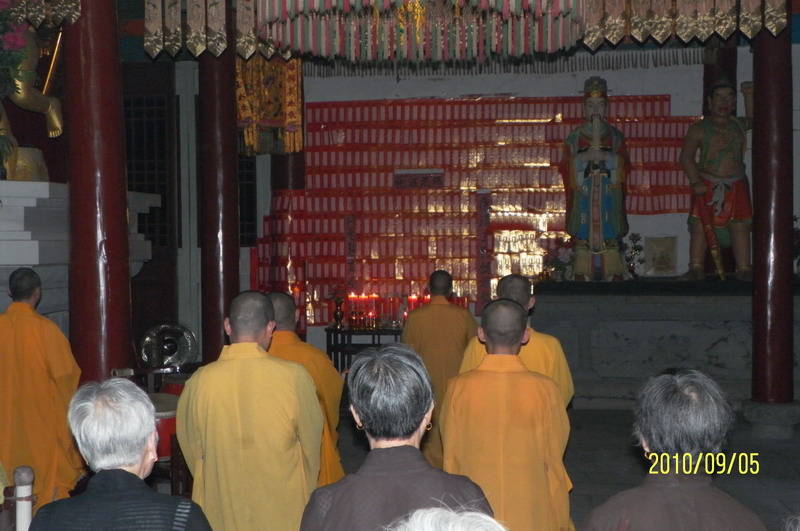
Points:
x=30, y=98
x=721, y=213
x=594, y=168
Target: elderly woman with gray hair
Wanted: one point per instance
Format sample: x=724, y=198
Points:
x=392, y=401
x=114, y=425
x=682, y=418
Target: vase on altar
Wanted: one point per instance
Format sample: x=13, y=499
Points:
x=338, y=313
x=560, y=275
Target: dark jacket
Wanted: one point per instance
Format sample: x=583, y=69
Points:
x=671, y=501
x=116, y=500
x=391, y=483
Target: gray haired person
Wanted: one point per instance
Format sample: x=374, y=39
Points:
x=443, y=519
x=682, y=419
x=392, y=402
x=114, y=425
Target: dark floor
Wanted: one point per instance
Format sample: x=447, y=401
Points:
x=601, y=460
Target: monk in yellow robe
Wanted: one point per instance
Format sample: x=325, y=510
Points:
x=542, y=353
x=288, y=346
x=506, y=428
x=439, y=333
x=250, y=427
x=38, y=376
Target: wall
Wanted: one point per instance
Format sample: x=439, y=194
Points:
x=682, y=82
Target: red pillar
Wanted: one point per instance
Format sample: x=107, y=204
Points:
x=772, y=217
x=219, y=193
x=99, y=289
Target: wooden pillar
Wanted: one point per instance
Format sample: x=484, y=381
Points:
x=218, y=193
x=772, y=217
x=99, y=289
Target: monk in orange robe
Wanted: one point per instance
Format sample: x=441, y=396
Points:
x=506, y=428
x=38, y=376
x=542, y=353
x=287, y=345
x=439, y=333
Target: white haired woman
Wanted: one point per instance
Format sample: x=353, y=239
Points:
x=114, y=425
x=392, y=401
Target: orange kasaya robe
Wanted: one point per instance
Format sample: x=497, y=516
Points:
x=542, y=353
x=506, y=429
x=38, y=376
x=288, y=346
x=439, y=333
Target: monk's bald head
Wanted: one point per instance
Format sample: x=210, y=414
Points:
x=503, y=322
x=250, y=313
x=284, y=307
x=517, y=288
x=22, y=284
x=440, y=283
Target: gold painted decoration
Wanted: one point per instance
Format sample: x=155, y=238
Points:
x=775, y=16
x=663, y=22
x=750, y=17
x=153, y=28
x=641, y=17
x=594, y=36
x=196, y=26
x=172, y=27
x=216, y=36
x=725, y=18
x=614, y=23
x=685, y=20
x=245, y=28
x=706, y=16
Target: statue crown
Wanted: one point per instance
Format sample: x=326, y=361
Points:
x=595, y=87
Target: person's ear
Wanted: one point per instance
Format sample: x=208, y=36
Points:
x=227, y=326
x=151, y=450
x=481, y=335
x=526, y=335
x=644, y=445
x=355, y=416
x=531, y=302
x=270, y=328
x=297, y=316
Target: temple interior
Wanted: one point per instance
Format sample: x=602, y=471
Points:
x=187, y=173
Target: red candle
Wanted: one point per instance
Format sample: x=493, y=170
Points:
x=413, y=302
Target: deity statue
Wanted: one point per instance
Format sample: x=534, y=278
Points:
x=713, y=159
x=27, y=97
x=594, y=168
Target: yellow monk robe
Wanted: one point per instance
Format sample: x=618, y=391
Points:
x=288, y=346
x=38, y=376
x=3, y=478
x=439, y=333
x=542, y=354
x=250, y=427
x=506, y=429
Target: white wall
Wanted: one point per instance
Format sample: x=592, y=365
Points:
x=683, y=82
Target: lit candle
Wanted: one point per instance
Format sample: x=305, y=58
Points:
x=352, y=301
x=362, y=302
x=413, y=302
x=374, y=299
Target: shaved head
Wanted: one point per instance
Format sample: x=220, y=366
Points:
x=251, y=312
x=503, y=322
x=284, y=307
x=515, y=287
x=441, y=283
x=23, y=283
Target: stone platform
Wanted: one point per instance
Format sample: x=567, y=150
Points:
x=617, y=334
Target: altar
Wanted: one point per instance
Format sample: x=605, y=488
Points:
x=617, y=334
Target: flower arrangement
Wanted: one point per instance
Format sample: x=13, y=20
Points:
x=12, y=48
x=560, y=257
x=634, y=252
